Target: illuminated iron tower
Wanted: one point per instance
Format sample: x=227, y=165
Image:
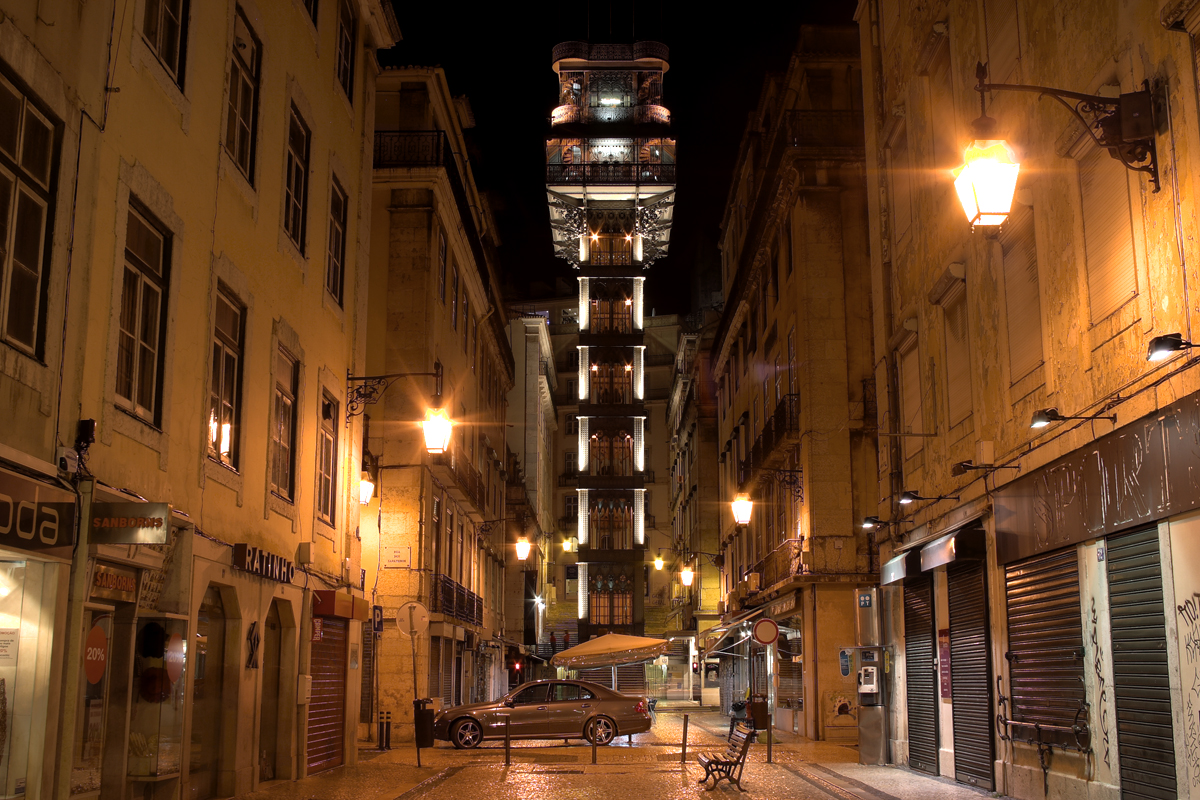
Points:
x=610, y=182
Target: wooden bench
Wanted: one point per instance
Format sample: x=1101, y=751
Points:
x=727, y=765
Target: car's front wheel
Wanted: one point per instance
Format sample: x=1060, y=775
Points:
x=601, y=731
x=466, y=734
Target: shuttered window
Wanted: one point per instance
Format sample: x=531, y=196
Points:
x=910, y=398
x=1021, y=296
x=921, y=674
x=941, y=101
x=1003, y=42
x=1107, y=232
x=958, y=358
x=970, y=674
x=1045, y=639
x=327, y=708
x=901, y=181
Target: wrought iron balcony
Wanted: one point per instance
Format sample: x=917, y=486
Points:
x=610, y=173
x=780, y=564
x=454, y=600
x=465, y=482
x=782, y=427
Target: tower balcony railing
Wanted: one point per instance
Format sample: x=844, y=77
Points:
x=610, y=173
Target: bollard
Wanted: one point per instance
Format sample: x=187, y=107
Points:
x=507, y=742
x=770, y=737
x=593, y=746
x=385, y=730
x=683, y=752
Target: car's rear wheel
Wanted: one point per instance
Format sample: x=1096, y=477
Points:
x=601, y=731
x=466, y=734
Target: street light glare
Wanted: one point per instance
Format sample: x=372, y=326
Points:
x=742, y=506
x=437, y=427
x=987, y=181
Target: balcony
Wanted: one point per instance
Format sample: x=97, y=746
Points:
x=462, y=480
x=780, y=564
x=839, y=129
x=781, y=428
x=452, y=599
x=568, y=479
x=603, y=173
x=567, y=523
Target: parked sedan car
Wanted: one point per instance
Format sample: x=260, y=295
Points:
x=547, y=710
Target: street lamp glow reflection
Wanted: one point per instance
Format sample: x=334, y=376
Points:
x=437, y=427
x=987, y=181
x=742, y=507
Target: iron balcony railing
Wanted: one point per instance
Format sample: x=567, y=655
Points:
x=465, y=475
x=568, y=479
x=455, y=600
x=610, y=173
x=780, y=564
x=781, y=427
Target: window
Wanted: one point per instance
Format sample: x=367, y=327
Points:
x=1021, y=296
x=572, y=423
x=140, y=340
x=570, y=463
x=791, y=361
x=454, y=300
x=345, y=48
x=530, y=696
x=466, y=318
x=295, y=200
x=442, y=267
x=941, y=100
x=335, y=269
x=327, y=460
x=571, y=505
x=225, y=387
x=241, y=125
x=26, y=155
x=911, y=416
x=311, y=7
x=283, y=425
x=474, y=342
x=958, y=358
x=568, y=692
x=1107, y=232
x=569, y=316
x=163, y=26
x=900, y=181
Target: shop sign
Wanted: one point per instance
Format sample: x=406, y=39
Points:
x=114, y=583
x=10, y=639
x=28, y=523
x=781, y=607
x=1141, y=473
x=318, y=628
x=129, y=523
x=944, y=662
x=263, y=564
x=95, y=655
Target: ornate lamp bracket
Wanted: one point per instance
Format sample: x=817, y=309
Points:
x=366, y=390
x=791, y=478
x=1124, y=125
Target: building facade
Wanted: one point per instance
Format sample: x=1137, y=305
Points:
x=792, y=359
x=435, y=317
x=187, y=188
x=1040, y=563
x=610, y=175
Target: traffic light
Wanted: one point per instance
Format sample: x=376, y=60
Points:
x=695, y=668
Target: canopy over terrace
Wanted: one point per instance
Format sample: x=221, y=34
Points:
x=610, y=650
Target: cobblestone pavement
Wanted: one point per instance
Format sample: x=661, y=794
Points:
x=649, y=767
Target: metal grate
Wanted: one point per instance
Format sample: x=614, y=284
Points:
x=921, y=672
x=327, y=708
x=970, y=673
x=366, y=708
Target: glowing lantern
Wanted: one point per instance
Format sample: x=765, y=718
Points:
x=987, y=181
x=437, y=427
x=742, y=506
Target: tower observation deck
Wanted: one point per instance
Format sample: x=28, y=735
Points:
x=610, y=184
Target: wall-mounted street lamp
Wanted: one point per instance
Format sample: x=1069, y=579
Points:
x=908, y=498
x=1167, y=345
x=686, y=576
x=871, y=523
x=987, y=179
x=437, y=427
x=523, y=548
x=366, y=487
x=658, y=561
x=963, y=467
x=742, y=507
x=1043, y=417
x=369, y=388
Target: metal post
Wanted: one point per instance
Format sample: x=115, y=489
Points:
x=683, y=752
x=770, y=736
x=412, y=638
x=507, y=742
x=593, y=743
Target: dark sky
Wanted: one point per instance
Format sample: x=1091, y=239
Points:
x=498, y=54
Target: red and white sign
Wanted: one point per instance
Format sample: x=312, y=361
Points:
x=174, y=657
x=95, y=654
x=765, y=631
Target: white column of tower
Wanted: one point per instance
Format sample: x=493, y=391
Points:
x=639, y=372
x=639, y=516
x=638, y=302
x=583, y=517
x=585, y=305
x=583, y=591
x=585, y=448
x=639, y=443
x=585, y=373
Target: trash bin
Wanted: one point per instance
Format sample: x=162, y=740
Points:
x=759, y=711
x=424, y=722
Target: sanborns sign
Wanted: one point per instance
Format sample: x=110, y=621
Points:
x=129, y=523
x=264, y=564
x=28, y=522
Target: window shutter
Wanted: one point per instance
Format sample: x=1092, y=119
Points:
x=910, y=399
x=1004, y=46
x=1017, y=243
x=958, y=358
x=1107, y=232
x=901, y=192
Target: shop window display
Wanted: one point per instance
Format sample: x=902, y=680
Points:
x=156, y=723
x=88, y=740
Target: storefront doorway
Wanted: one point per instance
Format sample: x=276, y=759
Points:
x=88, y=737
x=327, y=707
x=268, y=718
x=207, y=696
x=920, y=660
x=970, y=669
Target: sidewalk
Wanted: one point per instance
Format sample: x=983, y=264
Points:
x=648, y=767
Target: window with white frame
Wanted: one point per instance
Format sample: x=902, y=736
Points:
x=142, y=324
x=345, y=48
x=225, y=384
x=295, y=201
x=241, y=122
x=27, y=153
x=327, y=460
x=164, y=26
x=335, y=267
x=283, y=425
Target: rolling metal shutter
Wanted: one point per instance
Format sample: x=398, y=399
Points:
x=1145, y=743
x=327, y=708
x=1045, y=639
x=921, y=674
x=631, y=679
x=970, y=673
x=366, y=707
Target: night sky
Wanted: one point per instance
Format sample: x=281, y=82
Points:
x=498, y=55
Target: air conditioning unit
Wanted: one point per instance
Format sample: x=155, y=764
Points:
x=720, y=608
x=753, y=581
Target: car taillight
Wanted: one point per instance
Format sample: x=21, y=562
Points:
x=640, y=708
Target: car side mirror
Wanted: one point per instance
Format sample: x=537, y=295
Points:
x=509, y=703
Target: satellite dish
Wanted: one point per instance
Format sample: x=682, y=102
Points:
x=412, y=618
